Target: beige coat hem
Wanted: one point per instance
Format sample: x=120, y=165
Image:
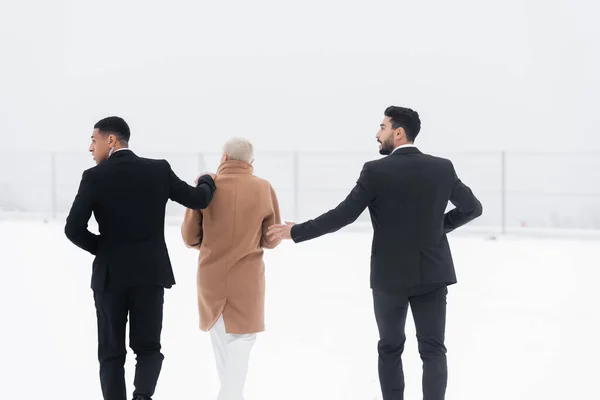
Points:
x=238, y=330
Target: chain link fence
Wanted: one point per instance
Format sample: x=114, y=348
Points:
x=519, y=190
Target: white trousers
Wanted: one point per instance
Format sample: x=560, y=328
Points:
x=232, y=354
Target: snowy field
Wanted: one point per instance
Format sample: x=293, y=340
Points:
x=523, y=321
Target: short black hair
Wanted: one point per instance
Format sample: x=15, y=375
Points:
x=402, y=117
x=116, y=126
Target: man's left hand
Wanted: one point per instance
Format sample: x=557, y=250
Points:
x=282, y=231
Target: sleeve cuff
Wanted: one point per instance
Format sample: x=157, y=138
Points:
x=208, y=180
x=295, y=234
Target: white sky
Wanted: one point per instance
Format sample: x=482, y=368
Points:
x=512, y=74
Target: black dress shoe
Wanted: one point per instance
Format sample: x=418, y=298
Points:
x=141, y=398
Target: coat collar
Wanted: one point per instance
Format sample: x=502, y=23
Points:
x=235, y=167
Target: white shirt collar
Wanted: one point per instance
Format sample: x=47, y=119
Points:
x=403, y=145
x=114, y=151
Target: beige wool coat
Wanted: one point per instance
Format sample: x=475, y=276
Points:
x=231, y=235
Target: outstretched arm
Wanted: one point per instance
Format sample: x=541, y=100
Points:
x=76, y=227
x=468, y=207
x=196, y=198
x=344, y=214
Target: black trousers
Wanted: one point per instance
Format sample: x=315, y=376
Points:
x=144, y=304
x=428, y=307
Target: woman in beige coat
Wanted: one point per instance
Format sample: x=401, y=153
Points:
x=231, y=234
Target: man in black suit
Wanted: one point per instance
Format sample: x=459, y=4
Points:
x=127, y=195
x=407, y=194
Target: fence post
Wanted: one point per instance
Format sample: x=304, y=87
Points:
x=201, y=163
x=503, y=191
x=53, y=188
x=296, y=188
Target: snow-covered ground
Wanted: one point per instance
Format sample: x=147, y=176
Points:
x=523, y=321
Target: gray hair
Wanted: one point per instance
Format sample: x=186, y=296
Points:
x=239, y=149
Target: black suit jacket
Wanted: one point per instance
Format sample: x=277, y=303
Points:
x=407, y=194
x=127, y=195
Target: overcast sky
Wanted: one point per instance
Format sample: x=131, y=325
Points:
x=187, y=75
